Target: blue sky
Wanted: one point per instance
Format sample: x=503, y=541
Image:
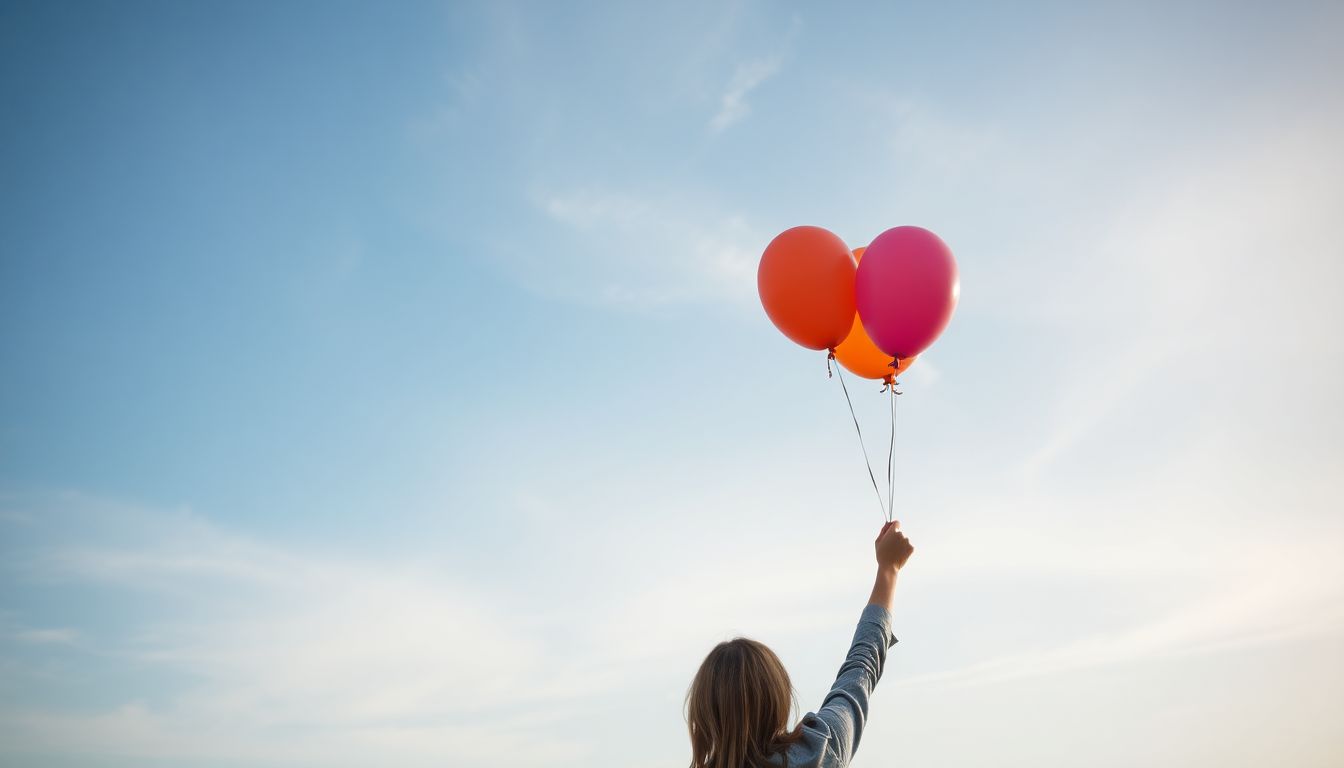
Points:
x=388, y=384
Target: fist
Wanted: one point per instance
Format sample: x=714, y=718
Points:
x=893, y=549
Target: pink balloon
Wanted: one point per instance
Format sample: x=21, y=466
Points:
x=906, y=289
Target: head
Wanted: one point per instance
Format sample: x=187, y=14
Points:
x=738, y=706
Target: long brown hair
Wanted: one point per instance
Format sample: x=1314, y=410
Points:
x=738, y=707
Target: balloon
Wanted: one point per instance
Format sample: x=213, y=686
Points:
x=906, y=290
x=806, y=282
x=861, y=356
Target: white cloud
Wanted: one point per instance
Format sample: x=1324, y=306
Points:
x=1295, y=592
x=732, y=104
x=918, y=134
x=629, y=249
x=296, y=656
x=46, y=636
x=311, y=657
x=1207, y=273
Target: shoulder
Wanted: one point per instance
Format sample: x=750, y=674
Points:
x=813, y=750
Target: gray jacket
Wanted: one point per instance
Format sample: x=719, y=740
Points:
x=831, y=734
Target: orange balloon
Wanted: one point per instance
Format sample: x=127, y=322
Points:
x=806, y=282
x=861, y=356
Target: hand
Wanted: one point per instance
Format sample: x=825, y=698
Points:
x=893, y=549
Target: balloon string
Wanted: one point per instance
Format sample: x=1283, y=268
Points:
x=866, y=462
x=891, y=452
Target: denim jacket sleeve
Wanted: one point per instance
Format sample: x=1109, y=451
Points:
x=831, y=734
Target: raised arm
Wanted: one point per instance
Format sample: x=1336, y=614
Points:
x=842, y=715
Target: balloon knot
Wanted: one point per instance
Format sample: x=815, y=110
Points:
x=829, y=357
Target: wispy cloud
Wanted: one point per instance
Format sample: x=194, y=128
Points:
x=1297, y=593
x=628, y=248
x=750, y=75
x=374, y=657
x=1190, y=263
x=54, y=636
x=733, y=105
x=305, y=656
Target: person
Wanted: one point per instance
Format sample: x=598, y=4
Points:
x=737, y=707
